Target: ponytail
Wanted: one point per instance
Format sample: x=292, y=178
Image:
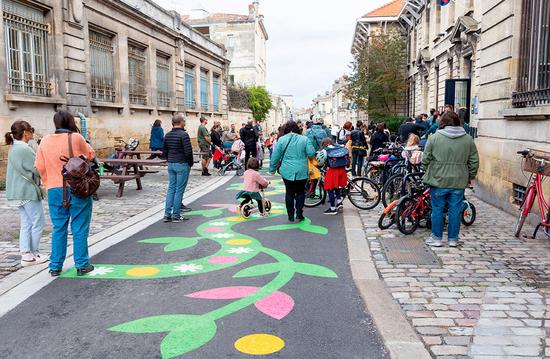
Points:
x=9, y=138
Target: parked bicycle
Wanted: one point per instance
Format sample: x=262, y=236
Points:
x=362, y=192
x=538, y=163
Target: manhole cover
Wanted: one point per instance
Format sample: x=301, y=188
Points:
x=407, y=251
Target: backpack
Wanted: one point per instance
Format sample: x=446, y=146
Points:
x=316, y=136
x=78, y=175
x=337, y=157
x=344, y=141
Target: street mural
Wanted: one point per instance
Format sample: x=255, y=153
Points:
x=185, y=332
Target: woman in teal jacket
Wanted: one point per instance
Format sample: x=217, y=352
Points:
x=23, y=192
x=292, y=151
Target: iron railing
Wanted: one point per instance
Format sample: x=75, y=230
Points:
x=102, y=71
x=26, y=32
x=163, y=81
x=533, y=87
x=136, y=75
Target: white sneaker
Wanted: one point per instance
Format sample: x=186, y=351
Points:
x=27, y=260
x=41, y=258
x=432, y=242
x=453, y=243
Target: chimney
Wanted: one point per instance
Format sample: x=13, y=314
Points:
x=253, y=9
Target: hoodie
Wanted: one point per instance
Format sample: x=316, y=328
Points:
x=450, y=159
x=453, y=131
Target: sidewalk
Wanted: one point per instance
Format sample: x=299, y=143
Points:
x=109, y=210
x=488, y=299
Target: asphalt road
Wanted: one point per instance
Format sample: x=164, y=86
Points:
x=179, y=294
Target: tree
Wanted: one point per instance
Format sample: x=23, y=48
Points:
x=377, y=82
x=259, y=102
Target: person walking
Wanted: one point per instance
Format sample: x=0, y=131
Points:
x=24, y=193
x=205, y=142
x=178, y=152
x=217, y=144
x=451, y=161
x=156, y=142
x=79, y=213
x=359, y=149
x=249, y=136
x=344, y=133
x=290, y=158
x=336, y=178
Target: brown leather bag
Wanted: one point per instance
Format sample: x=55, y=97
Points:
x=78, y=175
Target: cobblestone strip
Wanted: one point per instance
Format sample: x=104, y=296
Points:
x=493, y=288
x=107, y=211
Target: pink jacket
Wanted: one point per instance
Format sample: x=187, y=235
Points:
x=253, y=182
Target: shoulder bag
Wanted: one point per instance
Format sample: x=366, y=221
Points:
x=283, y=155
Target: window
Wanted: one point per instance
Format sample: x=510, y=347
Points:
x=163, y=81
x=101, y=67
x=231, y=80
x=216, y=93
x=25, y=32
x=190, y=87
x=230, y=41
x=204, y=90
x=136, y=74
x=533, y=87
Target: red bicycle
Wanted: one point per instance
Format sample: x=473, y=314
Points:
x=540, y=167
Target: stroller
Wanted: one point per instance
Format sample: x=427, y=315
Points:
x=229, y=161
x=247, y=207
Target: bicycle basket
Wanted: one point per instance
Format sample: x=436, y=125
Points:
x=531, y=165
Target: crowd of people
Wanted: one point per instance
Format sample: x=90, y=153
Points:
x=298, y=151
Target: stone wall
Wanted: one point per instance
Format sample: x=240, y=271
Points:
x=442, y=48
x=69, y=68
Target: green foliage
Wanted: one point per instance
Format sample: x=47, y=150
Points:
x=377, y=82
x=2, y=185
x=259, y=102
x=393, y=122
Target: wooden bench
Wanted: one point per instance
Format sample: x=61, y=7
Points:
x=132, y=169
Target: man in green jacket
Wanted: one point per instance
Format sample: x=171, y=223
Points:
x=451, y=162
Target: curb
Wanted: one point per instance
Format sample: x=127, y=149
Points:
x=397, y=333
x=20, y=285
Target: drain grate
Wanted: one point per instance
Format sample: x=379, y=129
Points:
x=407, y=251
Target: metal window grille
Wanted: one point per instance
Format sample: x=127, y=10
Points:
x=204, y=90
x=163, y=81
x=519, y=193
x=101, y=67
x=136, y=75
x=25, y=31
x=534, y=62
x=190, y=88
x=216, y=93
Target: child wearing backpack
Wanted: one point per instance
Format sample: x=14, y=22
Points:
x=412, y=152
x=336, y=177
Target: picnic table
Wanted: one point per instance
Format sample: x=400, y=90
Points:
x=132, y=169
x=197, y=155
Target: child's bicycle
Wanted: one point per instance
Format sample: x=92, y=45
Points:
x=247, y=207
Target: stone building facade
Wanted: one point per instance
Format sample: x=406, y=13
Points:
x=245, y=38
x=122, y=64
x=489, y=59
x=334, y=108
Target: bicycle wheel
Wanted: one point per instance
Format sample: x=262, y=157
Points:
x=386, y=220
x=524, y=211
x=406, y=216
x=468, y=214
x=363, y=193
x=315, y=194
x=392, y=189
x=240, y=171
x=375, y=175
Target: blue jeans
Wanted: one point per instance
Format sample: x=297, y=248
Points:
x=453, y=199
x=79, y=214
x=178, y=174
x=32, y=226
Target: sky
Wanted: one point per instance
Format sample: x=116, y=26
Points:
x=309, y=40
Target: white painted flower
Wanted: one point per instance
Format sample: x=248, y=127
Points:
x=223, y=235
x=101, y=271
x=218, y=224
x=183, y=268
x=239, y=250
